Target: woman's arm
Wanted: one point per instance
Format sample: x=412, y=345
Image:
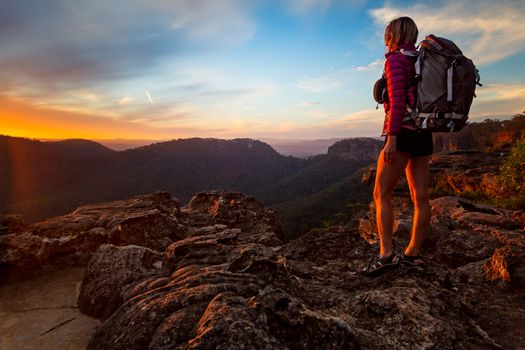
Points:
x=396, y=79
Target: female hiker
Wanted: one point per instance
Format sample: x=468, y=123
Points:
x=405, y=150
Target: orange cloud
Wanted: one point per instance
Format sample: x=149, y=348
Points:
x=21, y=118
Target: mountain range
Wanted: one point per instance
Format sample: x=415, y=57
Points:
x=43, y=179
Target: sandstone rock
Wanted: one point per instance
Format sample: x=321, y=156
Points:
x=471, y=273
x=109, y=271
x=359, y=148
x=403, y=229
x=21, y=249
x=461, y=231
x=220, y=291
x=140, y=220
x=519, y=216
x=151, y=221
x=507, y=264
x=460, y=173
x=11, y=224
x=403, y=212
x=413, y=318
x=230, y=281
x=467, y=171
x=236, y=210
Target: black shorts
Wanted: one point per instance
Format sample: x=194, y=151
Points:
x=416, y=142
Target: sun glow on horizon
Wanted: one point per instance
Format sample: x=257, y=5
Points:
x=162, y=70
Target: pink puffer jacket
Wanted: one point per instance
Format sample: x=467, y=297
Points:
x=402, y=89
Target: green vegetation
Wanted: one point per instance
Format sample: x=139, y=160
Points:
x=513, y=169
x=43, y=179
x=338, y=204
x=507, y=137
x=513, y=176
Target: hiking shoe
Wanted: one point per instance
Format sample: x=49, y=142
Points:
x=410, y=260
x=378, y=265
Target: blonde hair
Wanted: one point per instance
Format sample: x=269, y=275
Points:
x=400, y=31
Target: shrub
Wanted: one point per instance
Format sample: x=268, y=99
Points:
x=513, y=168
x=513, y=177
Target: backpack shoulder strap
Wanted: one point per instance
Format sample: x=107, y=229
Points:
x=409, y=53
x=418, y=64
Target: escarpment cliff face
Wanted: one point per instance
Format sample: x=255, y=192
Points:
x=490, y=134
x=218, y=273
x=359, y=148
x=468, y=172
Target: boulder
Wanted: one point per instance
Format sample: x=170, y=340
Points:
x=235, y=210
x=11, y=224
x=109, y=271
x=150, y=221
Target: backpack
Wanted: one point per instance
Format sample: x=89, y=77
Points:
x=446, y=84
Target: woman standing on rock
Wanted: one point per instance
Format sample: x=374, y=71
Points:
x=405, y=149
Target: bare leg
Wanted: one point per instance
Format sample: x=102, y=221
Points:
x=387, y=176
x=417, y=177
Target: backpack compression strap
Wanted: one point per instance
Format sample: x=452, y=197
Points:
x=450, y=77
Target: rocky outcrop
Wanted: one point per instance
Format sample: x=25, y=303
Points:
x=110, y=269
x=219, y=292
x=234, y=209
x=465, y=173
x=151, y=221
x=359, y=149
x=11, y=223
x=224, y=287
x=468, y=172
x=481, y=251
x=490, y=134
x=231, y=281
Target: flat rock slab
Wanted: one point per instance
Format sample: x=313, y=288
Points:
x=41, y=313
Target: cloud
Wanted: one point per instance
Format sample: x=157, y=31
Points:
x=330, y=81
x=368, y=123
x=22, y=119
x=308, y=104
x=227, y=23
x=221, y=89
x=317, y=7
x=336, y=79
x=182, y=22
x=125, y=100
x=364, y=123
x=367, y=115
x=486, y=32
x=148, y=95
x=498, y=101
x=375, y=65
x=307, y=6
x=58, y=45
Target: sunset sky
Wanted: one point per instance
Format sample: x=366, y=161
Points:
x=292, y=69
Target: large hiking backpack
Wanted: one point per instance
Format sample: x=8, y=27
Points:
x=446, y=84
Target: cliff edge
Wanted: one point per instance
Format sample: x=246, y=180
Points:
x=218, y=273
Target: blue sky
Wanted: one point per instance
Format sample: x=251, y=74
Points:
x=293, y=69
